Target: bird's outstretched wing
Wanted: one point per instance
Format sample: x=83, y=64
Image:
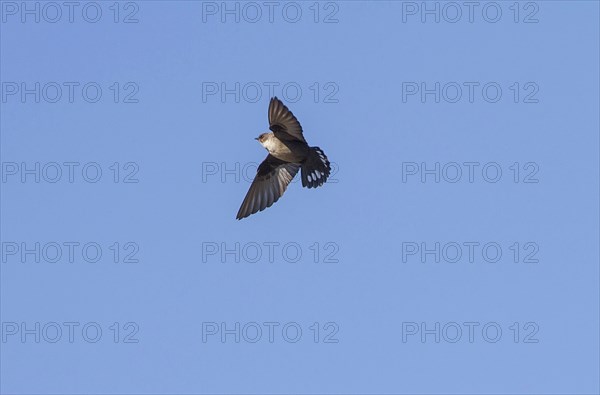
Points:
x=283, y=123
x=272, y=178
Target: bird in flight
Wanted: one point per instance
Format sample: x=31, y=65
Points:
x=288, y=153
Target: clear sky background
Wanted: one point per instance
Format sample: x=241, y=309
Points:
x=366, y=267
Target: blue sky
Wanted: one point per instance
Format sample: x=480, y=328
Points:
x=454, y=249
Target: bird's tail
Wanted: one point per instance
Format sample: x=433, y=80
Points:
x=315, y=169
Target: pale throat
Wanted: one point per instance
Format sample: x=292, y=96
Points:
x=270, y=144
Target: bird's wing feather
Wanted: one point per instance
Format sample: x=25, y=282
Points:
x=272, y=178
x=283, y=123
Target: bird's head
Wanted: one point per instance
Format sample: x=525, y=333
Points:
x=264, y=138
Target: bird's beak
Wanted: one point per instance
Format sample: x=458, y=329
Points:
x=256, y=138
